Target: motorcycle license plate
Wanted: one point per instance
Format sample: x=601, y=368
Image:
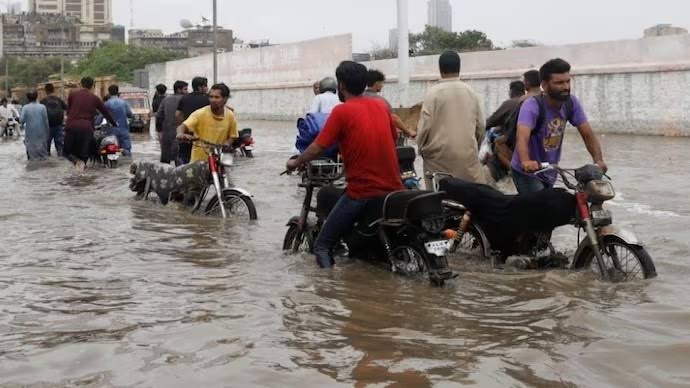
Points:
x=112, y=157
x=249, y=148
x=437, y=248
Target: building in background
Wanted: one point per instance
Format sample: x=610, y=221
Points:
x=664, y=30
x=14, y=7
x=191, y=42
x=44, y=35
x=440, y=14
x=96, y=12
x=118, y=34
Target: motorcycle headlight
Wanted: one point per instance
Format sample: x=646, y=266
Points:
x=433, y=225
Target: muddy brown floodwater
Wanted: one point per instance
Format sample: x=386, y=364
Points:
x=97, y=289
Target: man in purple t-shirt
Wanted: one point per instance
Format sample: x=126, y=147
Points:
x=538, y=145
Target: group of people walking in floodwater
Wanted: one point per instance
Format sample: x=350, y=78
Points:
x=449, y=132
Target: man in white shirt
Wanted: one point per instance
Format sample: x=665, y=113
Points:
x=328, y=99
x=7, y=112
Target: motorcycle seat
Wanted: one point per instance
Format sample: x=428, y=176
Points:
x=412, y=204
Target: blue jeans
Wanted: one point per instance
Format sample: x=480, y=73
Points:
x=123, y=139
x=56, y=135
x=338, y=224
x=526, y=184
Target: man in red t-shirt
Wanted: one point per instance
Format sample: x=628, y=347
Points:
x=365, y=132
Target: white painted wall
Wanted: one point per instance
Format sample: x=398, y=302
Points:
x=632, y=86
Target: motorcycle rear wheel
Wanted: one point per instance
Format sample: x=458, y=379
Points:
x=624, y=262
x=471, y=244
x=237, y=205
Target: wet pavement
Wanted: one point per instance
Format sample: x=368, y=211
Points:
x=98, y=289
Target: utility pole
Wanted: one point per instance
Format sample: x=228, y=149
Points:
x=403, y=54
x=215, y=42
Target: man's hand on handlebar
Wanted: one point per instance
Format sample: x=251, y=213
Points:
x=530, y=166
x=292, y=164
x=186, y=137
x=602, y=165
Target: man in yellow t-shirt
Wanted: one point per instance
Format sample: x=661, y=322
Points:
x=214, y=123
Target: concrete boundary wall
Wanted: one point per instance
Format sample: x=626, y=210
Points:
x=629, y=86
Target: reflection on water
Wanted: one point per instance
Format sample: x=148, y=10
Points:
x=97, y=288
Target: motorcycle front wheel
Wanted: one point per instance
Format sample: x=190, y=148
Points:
x=295, y=241
x=237, y=205
x=624, y=262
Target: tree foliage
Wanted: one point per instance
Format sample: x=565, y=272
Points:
x=32, y=71
x=434, y=40
x=121, y=60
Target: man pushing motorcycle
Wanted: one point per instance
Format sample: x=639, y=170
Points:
x=541, y=129
x=366, y=134
x=214, y=123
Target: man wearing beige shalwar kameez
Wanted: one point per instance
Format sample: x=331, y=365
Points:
x=451, y=126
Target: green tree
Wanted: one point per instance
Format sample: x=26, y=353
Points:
x=121, y=60
x=32, y=71
x=434, y=40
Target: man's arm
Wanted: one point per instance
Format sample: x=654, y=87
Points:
x=522, y=147
x=105, y=112
x=592, y=144
x=312, y=152
x=425, y=124
x=160, y=118
x=315, y=105
x=480, y=124
x=128, y=110
x=179, y=116
x=401, y=126
x=498, y=118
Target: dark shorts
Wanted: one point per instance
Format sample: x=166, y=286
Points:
x=79, y=145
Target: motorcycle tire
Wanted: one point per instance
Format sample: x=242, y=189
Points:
x=411, y=260
x=112, y=163
x=471, y=244
x=295, y=241
x=248, y=153
x=642, y=266
x=230, y=197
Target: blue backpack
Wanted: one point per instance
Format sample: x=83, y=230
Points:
x=309, y=128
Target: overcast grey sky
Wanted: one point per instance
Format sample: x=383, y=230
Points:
x=283, y=21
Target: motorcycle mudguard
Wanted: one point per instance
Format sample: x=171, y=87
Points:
x=485, y=241
x=293, y=221
x=240, y=191
x=624, y=235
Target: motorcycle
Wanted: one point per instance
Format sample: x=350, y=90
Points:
x=11, y=127
x=244, y=143
x=191, y=184
x=493, y=225
x=108, y=149
x=402, y=231
x=227, y=199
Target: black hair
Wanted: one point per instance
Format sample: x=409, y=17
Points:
x=198, y=83
x=87, y=82
x=374, y=76
x=449, y=62
x=353, y=77
x=4, y=100
x=161, y=89
x=554, y=66
x=32, y=96
x=532, y=79
x=113, y=90
x=517, y=88
x=223, y=88
x=179, y=85
x=50, y=89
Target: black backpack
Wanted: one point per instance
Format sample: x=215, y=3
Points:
x=512, y=121
x=56, y=115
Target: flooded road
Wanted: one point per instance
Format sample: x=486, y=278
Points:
x=97, y=289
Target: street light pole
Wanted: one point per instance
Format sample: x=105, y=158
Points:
x=215, y=42
x=403, y=53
